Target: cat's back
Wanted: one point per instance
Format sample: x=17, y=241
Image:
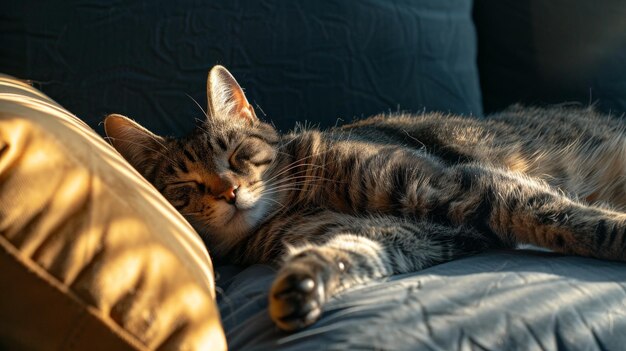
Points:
x=434, y=133
x=449, y=138
x=575, y=149
x=560, y=126
x=529, y=128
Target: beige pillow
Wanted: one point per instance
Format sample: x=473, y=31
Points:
x=92, y=257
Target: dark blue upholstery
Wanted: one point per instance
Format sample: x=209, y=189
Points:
x=297, y=60
x=542, y=52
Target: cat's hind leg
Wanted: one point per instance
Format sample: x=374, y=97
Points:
x=522, y=210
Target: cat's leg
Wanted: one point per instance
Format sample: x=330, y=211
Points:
x=521, y=210
x=356, y=250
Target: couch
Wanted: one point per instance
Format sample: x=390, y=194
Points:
x=94, y=258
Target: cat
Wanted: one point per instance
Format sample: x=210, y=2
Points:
x=385, y=195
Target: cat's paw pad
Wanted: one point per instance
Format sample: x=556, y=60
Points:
x=296, y=299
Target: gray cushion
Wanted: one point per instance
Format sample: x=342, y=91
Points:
x=506, y=300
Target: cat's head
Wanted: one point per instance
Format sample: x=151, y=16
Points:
x=216, y=177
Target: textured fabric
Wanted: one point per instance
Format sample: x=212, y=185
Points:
x=551, y=52
x=91, y=253
x=41, y=314
x=318, y=61
x=516, y=300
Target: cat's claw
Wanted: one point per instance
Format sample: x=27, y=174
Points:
x=296, y=299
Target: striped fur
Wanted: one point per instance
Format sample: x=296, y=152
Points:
x=388, y=194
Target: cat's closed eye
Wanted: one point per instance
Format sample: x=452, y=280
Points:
x=261, y=161
x=201, y=187
x=255, y=152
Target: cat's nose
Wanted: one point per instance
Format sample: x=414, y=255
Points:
x=230, y=194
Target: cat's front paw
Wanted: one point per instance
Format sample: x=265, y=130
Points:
x=298, y=294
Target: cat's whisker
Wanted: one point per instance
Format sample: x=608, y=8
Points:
x=282, y=186
x=281, y=191
x=197, y=104
x=276, y=191
x=307, y=178
x=306, y=157
x=296, y=183
x=294, y=177
x=283, y=171
x=273, y=200
x=283, y=177
x=255, y=187
x=296, y=164
x=291, y=184
x=286, y=144
x=296, y=186
x=300, y=172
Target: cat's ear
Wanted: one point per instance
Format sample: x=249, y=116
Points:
x=226, y=98
x=136, y=144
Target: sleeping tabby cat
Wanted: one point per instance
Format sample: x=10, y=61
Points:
x=385, y=195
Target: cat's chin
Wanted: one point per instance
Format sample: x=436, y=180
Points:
x=222, y=236
x=240, y=220
x=229, y=224
x=226, y=225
